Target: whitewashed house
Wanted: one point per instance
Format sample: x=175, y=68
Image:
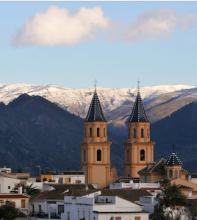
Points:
x=96, y=206
x=7, y=184
x=19, y=200
x=73, y=201
x=50, y=204
x=68, y=177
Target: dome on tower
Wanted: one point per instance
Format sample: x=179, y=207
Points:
x=173, y=160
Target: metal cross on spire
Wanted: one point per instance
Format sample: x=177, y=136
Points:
x=95, y=82
x=173, y=147
x=138, y=87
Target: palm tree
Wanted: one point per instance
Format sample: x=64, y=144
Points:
x=29, y=190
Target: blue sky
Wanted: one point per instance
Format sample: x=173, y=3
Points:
x=115, y=42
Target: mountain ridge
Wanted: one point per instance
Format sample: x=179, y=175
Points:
x=159, y=101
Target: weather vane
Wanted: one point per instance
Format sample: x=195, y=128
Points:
x=95, y=82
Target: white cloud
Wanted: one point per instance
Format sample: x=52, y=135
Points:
x=154, y=25
x=188, y=22
x=58, y=26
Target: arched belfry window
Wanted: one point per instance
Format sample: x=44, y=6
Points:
x=129, y=132
x=104, y=132
x=127, y=155
x=90, y=132
x=85, y=132
x=170, y=174
x=134, y=133
x=176, y=173
x=179, y=173
x=98, y=132
x=142, y=155
x=84, y=155
x=142, y=132
x=98, y=155
x=147, y=132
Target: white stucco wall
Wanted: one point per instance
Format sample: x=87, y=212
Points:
x=148, y=202
x=80, y=207
x=73, y=178
x=7, y=184
x=40, y=185
x=133, y=185
x=50, y=206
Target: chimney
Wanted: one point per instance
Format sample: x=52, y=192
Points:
x=20, y=189
x=86, y=187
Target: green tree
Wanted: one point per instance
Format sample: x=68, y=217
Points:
x=9, y=212
x=171, y=204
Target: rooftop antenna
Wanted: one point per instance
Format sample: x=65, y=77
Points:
x=95, y=83
x=39, y=169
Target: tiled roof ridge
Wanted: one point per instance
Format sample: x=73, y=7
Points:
x=95, y=112
x=180, y=185
x=157, y=163
x=40, y=194
x=138, y=113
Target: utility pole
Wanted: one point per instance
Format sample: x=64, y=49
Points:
x=39, y=169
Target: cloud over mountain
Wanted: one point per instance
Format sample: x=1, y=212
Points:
x=57, y=26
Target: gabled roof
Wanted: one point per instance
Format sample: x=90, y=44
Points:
x=95, y=112
x=173, y=160
x=138, y=113
x=127, y=194
x=61, y=190
x=180, y=186
x=158, y=167
x=62, y=186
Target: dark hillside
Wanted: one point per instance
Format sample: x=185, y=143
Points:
x=180, y=129
x=34, y=131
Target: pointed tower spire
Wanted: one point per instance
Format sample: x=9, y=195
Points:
x=138, y=113
x=95, y=112
x=138, y=150
x=95, y=149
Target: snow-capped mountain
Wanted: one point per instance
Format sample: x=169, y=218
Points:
x=77, y=101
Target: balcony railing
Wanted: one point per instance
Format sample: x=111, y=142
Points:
x=54, y=215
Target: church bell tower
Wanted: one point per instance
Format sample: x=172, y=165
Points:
x=138, y=150
x=95, y=149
